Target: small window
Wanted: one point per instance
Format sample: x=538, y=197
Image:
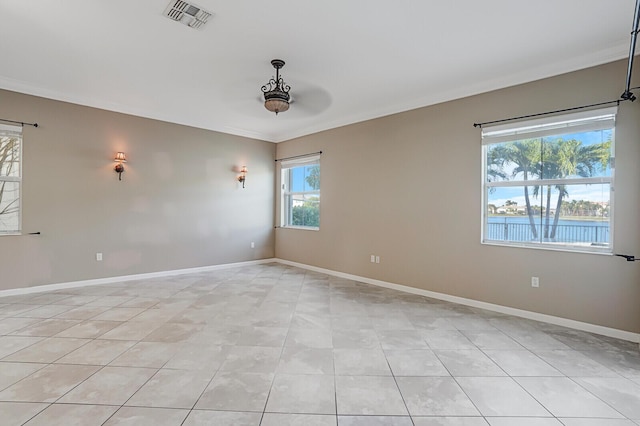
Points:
x=301, y=192
x=10, y=179
x=549, y=182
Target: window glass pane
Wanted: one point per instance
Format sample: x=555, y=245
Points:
x=301, y=196
x=560, y=215
x=9, y=156
x=305, y=210
x=9, y=207
x=550, y=185
x=578, y=215
x=517, y=160
x=305, y=178
x=509, y=217
x=578, y=155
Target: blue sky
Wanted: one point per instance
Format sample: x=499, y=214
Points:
x=594, y=193
x=298, y=181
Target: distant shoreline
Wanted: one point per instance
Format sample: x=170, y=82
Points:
x=576, y=218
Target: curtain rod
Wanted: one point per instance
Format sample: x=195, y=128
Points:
x=617, y=102
x=19, y=122
x=298, y=156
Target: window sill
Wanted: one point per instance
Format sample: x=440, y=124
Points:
x=302, y=228
x=587, y=249
x=10, y=234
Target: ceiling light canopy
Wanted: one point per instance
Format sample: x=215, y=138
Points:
x=276, y=91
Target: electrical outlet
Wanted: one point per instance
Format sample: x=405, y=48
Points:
x=99, y=257
x=535, y=282
x=373, y=258
x=253, y=245
x=377, y=259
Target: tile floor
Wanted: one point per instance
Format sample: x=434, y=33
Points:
x=277, y=345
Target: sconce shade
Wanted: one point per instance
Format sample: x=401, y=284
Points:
x=243, y=175
x=119, y=168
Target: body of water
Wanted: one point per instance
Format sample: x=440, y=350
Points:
x=517, y=228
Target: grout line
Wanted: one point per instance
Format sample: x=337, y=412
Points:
x=335, y=291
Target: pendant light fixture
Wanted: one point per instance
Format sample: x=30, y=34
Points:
x=276, y=91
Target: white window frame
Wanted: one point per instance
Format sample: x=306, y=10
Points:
x=600, y=119
x=11, y=130
x=286, y=193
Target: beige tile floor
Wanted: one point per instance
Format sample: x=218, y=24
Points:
x=277, y=345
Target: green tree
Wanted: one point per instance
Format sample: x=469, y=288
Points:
x=525, y=156
x=548, y=159
x=313, y=177
x=308, y=214
x=9, y=160
x=566, y=158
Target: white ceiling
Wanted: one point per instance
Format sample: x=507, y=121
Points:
x=346, y=60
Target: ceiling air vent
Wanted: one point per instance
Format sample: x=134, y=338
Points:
x=188, y=14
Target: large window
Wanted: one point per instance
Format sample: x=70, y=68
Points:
x=10, y=178
x=301, y=192
x=549, y=182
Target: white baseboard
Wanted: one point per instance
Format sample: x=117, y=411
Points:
x=577, y=325
x=124, y=278
x=550, y=319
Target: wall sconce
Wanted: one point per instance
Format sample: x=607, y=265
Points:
x=243, y=175
x=120, y=158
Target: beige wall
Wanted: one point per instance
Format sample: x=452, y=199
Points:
x=178, y=204
x=407, y=188
x=404, y=187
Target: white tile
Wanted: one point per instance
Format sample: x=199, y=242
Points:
x=313, y=394
x=252, y=359
x=72, y=414
x=435, y=396
x=415, y=362
x=143, y=416
x=523, y=421
x=303, y=360
x=278, y=419
x=501, y=396
x=236, y=392
x=621, y=394
x=16, y=413
x=12, y=372
x=240, y=341
x=368, y=395
x=48, y=384
x=361, y=362
x=596, y=422
x=222, y=418
x=565, y=398
x=468, y=362
x=171, y=389
x=47, y=350
x=452, y=421
x=374, y=421
x=521, y=363
x=110, y=386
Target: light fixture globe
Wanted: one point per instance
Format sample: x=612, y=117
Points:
x=276, y=91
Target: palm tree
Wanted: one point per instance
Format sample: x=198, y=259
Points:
x=9, y=150
x=572, y=158
x=548, y=159
x=525, y=156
